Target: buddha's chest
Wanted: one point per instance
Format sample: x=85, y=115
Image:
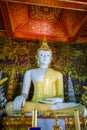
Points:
x=38, y=75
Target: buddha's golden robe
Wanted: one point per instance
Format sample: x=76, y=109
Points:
x=51, y=86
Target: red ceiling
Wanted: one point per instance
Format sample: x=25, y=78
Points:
x=64, y=20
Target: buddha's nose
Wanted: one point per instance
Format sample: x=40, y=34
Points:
x=44, y=56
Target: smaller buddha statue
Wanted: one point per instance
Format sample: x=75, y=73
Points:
x=48, y=89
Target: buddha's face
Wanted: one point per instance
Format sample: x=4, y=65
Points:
x=44, y=57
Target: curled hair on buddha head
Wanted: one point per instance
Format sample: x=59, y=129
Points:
x=44, y=46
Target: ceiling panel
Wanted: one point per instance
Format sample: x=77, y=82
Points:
x=63, y=20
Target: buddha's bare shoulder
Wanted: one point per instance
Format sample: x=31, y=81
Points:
x=31, y=71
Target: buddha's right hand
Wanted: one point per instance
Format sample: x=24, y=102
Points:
x=18, y=103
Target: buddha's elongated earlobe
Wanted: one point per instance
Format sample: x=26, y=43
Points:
x=50, y=62
x=36, y=57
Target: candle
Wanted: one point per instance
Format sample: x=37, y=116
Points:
x=34, y=118
x=77, y=122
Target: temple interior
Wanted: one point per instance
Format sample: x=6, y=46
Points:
x=23, y=25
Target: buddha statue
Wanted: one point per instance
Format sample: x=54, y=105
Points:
x=48, y=87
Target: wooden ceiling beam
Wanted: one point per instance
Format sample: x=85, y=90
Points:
x=65, y=4
x=6, y=18
x=80, y=29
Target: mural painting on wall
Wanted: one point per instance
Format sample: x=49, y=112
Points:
x=16, y=56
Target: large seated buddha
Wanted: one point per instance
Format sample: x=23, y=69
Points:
x=48, y=87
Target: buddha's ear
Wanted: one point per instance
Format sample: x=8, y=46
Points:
x=51, y=59
x=36, y=57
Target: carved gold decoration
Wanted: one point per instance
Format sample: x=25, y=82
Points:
x=43, y=12
x=56, y=124
x=12, y=122
x=57, y=128
x=11, y=84
x=84, y=96
x=17, y=121
x=70, y=122
x=3, y=80
x=63, y=112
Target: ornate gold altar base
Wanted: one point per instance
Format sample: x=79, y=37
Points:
x=16, y=123
x=23, y=123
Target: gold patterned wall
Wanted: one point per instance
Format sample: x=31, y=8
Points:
x=16, y=56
